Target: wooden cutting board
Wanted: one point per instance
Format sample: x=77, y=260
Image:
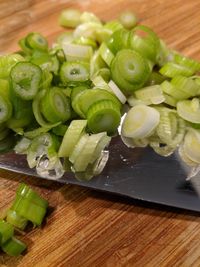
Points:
x=87, y=228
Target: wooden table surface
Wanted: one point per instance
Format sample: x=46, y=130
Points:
x=87, y=228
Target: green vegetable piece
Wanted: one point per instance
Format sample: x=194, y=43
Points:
x=140, y=122
x=26, y=192
x=171, y=69
x=106, y=54
x=189, y=110
x=118, y=40
x=37, y=111
x=87, y=154
x=128, y=19
x=6, y=232
x=16, y=220
x=143, y=40
x=60, y=130
x=25, y=79
x=187, y=62
x=28, y=209
x=7, y=62
x=14, y=247
x=74, y=71
x=5, y=109
x=71, y=137
x=36, y=41
x=70, y=18
x=103, y=116
x=84, y=100
x=129, y=70
x=55, y=106
x=77, y=90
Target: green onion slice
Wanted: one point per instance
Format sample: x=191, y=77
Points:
x=171, y=69
x=7, y=62
x=128, y=19
x=26, y=78
x=103, y=116
x=74, y=52
x=6, y=231
x=16, y=220
x=129, y=70
x=37, y=111
x=13, y=247
x=189, y=110
x=87, y=153
x=36, y=41
x=70, y=18
x=55, y=106
x=74, y=71
x=140, y=122
x=71, y=137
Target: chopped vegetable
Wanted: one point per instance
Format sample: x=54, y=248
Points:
x=61, y=105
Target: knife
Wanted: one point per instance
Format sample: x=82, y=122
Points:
x=137, y=173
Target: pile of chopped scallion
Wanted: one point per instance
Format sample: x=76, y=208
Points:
x=61, y=105
x=27, y=206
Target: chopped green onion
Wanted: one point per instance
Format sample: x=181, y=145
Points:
x=22, y=146
x=115, y=89
x=74, y=52
x=96, y=63
x=176, y=92
x=129, y=70
x=26, y=78
x=88, y=30
x=60, y=130
x=191, y=145
x=113, y=26
x=189, y=110
x=187, y=62
x=140, y=122
x=118, y=40
x=26, y=192
x=128, y=19
x=87, y=98
x=37, y=111
x=16, y=220
x=13, y=247
x=5, y=109
x=36, y=41
x=87, y=153
x=55, y=106
x=106, y=54
x=85, y=41
x=171, y=69
x=78, y=147
x=89, y=17
x=150, y=95
x=143, y=40
x=71, y=137
x=74, y=71
x=6, y=232
x=103, y=116
x=70, y=18
x=7, y=62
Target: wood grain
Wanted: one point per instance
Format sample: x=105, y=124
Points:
x=87, y=228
